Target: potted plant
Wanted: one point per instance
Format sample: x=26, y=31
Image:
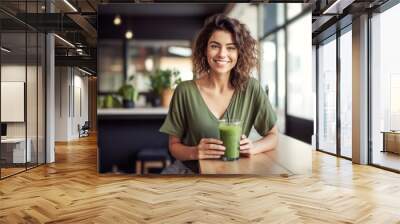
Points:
x=129, y=95
x=111, y=101
x=162, y=83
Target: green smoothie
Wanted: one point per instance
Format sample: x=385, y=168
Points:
x=230, y=133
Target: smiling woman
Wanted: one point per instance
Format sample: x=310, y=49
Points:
x=224, y=54
x=240, y=43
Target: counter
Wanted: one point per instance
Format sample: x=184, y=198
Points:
x=123, y=132
x=133, y=111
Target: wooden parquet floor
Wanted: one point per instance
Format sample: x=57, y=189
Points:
x=71, y=191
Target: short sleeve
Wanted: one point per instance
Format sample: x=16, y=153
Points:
x=265, y=115
x=174, y=124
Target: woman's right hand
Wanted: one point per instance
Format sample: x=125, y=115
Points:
x=210, y=148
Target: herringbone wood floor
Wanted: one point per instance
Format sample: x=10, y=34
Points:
x=71, y=191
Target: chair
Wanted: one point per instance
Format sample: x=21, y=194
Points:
x=151, y=158
x=84, y=130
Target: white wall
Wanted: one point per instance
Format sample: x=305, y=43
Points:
x=62, y=81
x=16, y=73
x=80, y=94
x=71, y=94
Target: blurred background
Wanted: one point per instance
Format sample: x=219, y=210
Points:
x=135, y=41
x=148, y=47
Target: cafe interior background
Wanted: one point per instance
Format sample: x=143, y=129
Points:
x=139, y=44
x=306, y=67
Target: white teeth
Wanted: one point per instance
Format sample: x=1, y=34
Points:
x=221, y=62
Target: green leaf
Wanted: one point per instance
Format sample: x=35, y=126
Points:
x=164, y=79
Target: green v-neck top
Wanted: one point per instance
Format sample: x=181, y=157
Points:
x=190, y=119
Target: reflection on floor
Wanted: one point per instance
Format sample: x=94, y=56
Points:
x=71, y=191
x=387, y=159
x=10, y=169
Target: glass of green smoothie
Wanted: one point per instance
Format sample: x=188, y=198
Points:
x=230, y=132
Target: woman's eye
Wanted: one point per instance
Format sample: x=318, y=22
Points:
x=231, y=48
x=214, y=46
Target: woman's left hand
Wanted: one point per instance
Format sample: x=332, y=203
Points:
x=246, y=146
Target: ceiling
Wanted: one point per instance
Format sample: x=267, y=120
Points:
x=168, y=21
x=155, y=21
x=326, y=22
x=162, y=9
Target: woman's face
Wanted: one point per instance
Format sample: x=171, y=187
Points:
x=222, y=52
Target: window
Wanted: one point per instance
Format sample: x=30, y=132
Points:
x=293, y=10
x=111, y=70
x=300, y=91
x=145, y=57
x=22, y=74
x=286, y=66
x=346, y=94
x=281, y=81
x=268, y=67
x=327, y=95
x=385, y=84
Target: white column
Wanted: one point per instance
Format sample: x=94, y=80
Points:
x=50, y=92
x=50, y=99
x=360, y=90
x=63, y=112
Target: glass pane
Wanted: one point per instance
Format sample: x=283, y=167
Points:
x=31, y=86
x=145, y=57
x=111, y=65
x=31, y=98
x=293, y=9
x=268, y=68
x=281, y=81
x=327, y=96
x=346, y=94
x=41, y=98
x=13, y=87
x=386, y=89
x=300, y=90
x=273, y=16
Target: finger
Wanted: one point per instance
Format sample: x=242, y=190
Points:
x=213, y=140
x=210, y=157
x=216, y=147
x=214, y=152
x=244, y=141
x=244, y=147
x=243, y=136
x=215, y=157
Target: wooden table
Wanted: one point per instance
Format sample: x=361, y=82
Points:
x=290, y=157
x=391, y=141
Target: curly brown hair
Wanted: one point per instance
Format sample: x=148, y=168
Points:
x=246, y=44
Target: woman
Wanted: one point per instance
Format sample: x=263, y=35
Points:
x=224, y=55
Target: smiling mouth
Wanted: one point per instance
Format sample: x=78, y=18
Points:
x=221, y=62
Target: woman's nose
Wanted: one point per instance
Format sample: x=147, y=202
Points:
x=222, y=52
